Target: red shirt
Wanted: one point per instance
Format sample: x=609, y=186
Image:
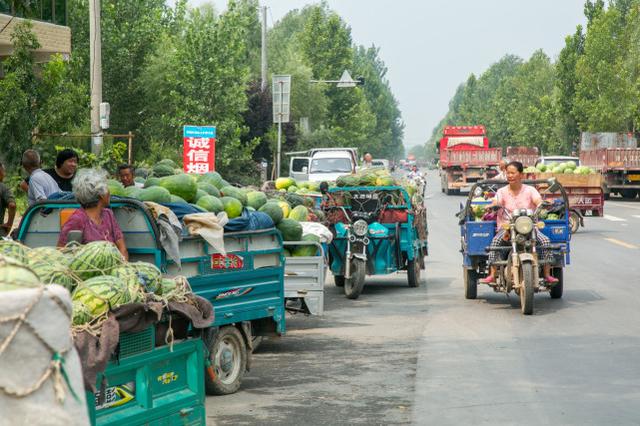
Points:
x=108, y=230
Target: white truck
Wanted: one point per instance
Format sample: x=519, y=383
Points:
x=322, y=164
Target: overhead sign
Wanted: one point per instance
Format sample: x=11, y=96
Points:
x=346, y=80
x=199, y=149
x=281, y=98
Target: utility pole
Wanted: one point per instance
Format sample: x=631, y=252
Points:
x=95, y=64
x=263, y=51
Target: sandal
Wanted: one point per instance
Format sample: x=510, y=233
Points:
x=551, y=280
x=487, y=280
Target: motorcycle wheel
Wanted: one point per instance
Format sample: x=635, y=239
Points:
x=470, y=283
x=338, y=280
x=413, y=273
x=228, y=355
x=574, y=222
x=353, y=286
x=526, y=291
x=556, y=290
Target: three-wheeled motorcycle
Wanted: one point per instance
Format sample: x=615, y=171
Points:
x=521, y=267
x=377, y=230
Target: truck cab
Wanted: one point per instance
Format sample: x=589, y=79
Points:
x=322, y=164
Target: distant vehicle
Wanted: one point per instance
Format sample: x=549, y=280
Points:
x=527, y=155
x=551, y=159
x=322, y=164
x=380, y=163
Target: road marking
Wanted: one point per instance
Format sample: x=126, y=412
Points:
x=620, y=204
x=621, y=243
x=637, y=216
x=614, y=218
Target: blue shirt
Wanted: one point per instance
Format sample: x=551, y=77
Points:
x=41, y=185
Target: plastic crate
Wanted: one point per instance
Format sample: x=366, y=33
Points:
x=157, y=387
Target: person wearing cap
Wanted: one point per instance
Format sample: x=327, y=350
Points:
x=63, y=173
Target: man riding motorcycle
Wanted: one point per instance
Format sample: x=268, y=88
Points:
x=512, y=197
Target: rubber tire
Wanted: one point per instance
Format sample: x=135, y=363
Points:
x=354, y=285
x=629, y=194
x=413, y=273
x=527, y=291
x=256, y=341
x=556, y=291
x=338, y=280
x=217, y=387
x=574, y=222
x=470, y=277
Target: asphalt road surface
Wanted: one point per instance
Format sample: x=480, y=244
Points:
x=428, y=356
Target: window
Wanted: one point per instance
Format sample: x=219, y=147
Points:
x=298, y=163
x=331, y=165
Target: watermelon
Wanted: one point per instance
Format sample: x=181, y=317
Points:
x=181, y=185
x=176, y=199
x=138, y=179
x=299, y=213
x=199, y=194
x=232, y=191
x=368, y=178
x=168, y=162
x=293, y=189
x=157, y=194
x=294, y=200
x=210, y=204
x=167, y=285
x=347, y=180
x=14, y=275
x=197, y=207
x=319, y=214
x=232, y=206
x=95, y=258
x=250, y=209
x=286, y=208
x=49, y=254
x=385, y=181
x=141, y=173
x=80, y=313
x=256, y=199
x=162, y=170
x=14, y=250
x=132, y=191
x=152, y=181
x=307, y=250
x=274, y=211
x=102, y=293
x=290, y=229
x=116, y=188
x=139, y=275
x=51, y=272
x=284, y=182
x=209, y=189
x=212, y=178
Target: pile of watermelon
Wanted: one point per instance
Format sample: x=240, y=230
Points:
x=95, y=274
x=569, y=167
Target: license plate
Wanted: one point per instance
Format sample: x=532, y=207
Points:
x=115, y=396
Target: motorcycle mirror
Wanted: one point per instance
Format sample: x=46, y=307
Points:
x=554, y=186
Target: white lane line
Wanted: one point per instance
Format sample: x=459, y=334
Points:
x=637, y=216
x=614, y=218
x=621, y=243
x=620, y=204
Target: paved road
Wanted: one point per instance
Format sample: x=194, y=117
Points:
x=427, y=356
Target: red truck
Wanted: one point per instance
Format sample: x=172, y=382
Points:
x=465, y=158
x=617, y=157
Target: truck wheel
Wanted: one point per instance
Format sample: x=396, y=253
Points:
x=556, y=290
x=629, y=194
x=470, y=283
x=574, y=222
x=413, y=273
x=228, y=355
x=354, y=285
x=526, y=291
x=338, y=280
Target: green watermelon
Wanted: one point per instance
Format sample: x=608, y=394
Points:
x=385, y=181
x=157, y=194
x=199, y=194
x=212, y=178
x=210, y=204
x=14, y=275
x=294, y=199
x=232, y=191
x=307, y=250
x=197, y=207
x=347, y=180
x=116, y=188
x=256, y=199
x=181, y=185
x=274, y=211
x=167, y=285
x=138, y=179
x=209, y=189
x=132, y=191
x=168, y=162
x=319, y=214
x=51, y=272
x=290, y=229
x=80, y=313
x=14, y=250
x=95, y=258
x=152, y=181
x=293, y=189
x=162, y=170
x=140, y=275
x=102, y=293
x=49, y=254
x=232, y=206
x=176, y=199
x=300, y=213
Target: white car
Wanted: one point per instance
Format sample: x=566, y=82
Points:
x=555, y=159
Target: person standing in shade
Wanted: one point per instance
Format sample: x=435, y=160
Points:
x=41, y=184
x=127, y=176
x=7, y=203
x=367, y=160
x=63, y=173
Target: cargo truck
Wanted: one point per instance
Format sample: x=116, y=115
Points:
x=617, y=157
x=527, y=155
x=465, y=158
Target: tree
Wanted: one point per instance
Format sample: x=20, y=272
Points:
x=566, y=82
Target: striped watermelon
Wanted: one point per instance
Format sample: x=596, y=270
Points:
x=96, y=258
x=14, y=275
x=80, y=313
x=52, y=272
x=146, y=275
x=15, y=250
x=102, y=293
x=40, y=254
x=167, y=285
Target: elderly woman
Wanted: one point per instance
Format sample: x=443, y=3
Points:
x=95, y=220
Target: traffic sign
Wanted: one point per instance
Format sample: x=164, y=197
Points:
x=281, y=98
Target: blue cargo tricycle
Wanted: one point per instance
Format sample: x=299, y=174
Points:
x=377, y=230
x=520, y=267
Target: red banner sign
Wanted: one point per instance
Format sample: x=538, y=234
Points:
x=199, y=155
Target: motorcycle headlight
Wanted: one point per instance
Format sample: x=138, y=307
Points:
x=524, y=225
x=360, y=228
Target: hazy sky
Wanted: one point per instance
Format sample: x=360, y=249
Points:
x=431, y=46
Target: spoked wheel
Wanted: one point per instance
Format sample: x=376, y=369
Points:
x=338, y=280
x=574, y=222
x=526, y=291
x=470, y=283
x=556, y=291
x=353, y=286
x=413, y=273
x=228, y=355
